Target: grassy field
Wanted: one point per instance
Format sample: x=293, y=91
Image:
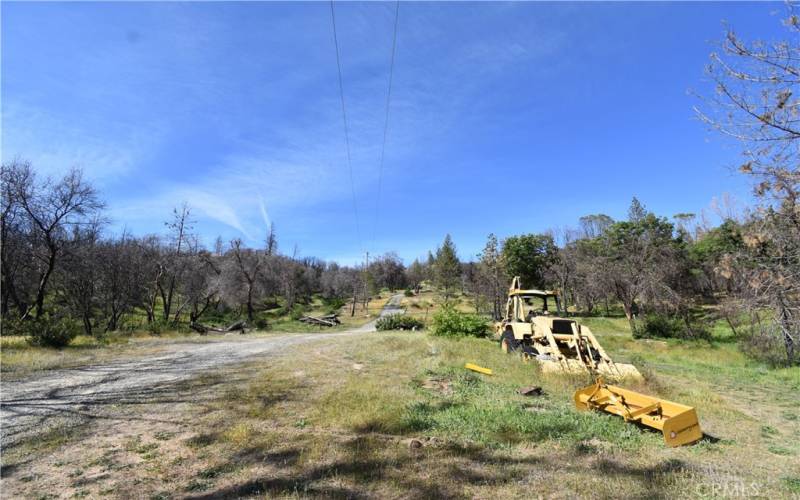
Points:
x=396, y=415
x=423, y=305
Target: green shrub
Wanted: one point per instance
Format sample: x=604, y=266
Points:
x=157, y=326
x=399, y=322
x=408, y=292
x=658, y=326
x=53, y=332
x=297, y=312
x=261, y=323
x=334, y=304
x=764, y=342
x=449, y=322
x=668, y=327
x=15, y=326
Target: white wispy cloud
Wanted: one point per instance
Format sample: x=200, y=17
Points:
x=263, y=209
x=54, y=145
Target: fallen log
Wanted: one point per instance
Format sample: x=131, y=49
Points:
x=204, y=329
x=329, y=320
x=239, y=325
x=201, y=328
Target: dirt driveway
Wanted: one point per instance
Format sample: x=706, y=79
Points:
x=31, y=405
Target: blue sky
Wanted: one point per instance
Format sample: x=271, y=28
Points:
x=505, y=117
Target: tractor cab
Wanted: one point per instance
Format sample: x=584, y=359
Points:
x=525, y=305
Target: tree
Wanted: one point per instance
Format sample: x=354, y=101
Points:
x=388, y=271
x=529, y=256
x=639, y=256
x=271, y=243
x=150, y=255
x=79, y=274
x=175, y=261
x=15, y=243
x=415, y=275
x=756, y=102
x=636, y=212
x=493, y=280
x=685, y=224
x=562, y=268
x=447, y=268
x=53, y=208
x=595, y=225
x=126, y=275
x=244, y=270
x=590, y=282
x=201, y=284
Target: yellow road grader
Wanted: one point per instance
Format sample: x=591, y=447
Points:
x=562, y=345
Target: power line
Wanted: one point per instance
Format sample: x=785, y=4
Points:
x=346, y=129
x=385, y=124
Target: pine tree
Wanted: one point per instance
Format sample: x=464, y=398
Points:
x=636, y=212
x=447, y=268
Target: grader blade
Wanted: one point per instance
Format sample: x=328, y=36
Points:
x=677, y=422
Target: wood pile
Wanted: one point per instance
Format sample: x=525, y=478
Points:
x=327, y=320
x=240, y=325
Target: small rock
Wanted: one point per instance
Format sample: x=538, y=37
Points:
x=358, y=366
x=533, y=390
x=415, y=444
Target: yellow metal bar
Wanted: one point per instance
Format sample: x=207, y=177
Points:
x=479, y=369
x=643, y=411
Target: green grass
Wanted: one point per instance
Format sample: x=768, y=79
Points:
x=492, y=414
x=792, y=483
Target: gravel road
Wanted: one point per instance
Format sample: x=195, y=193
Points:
x=29, y=405
x=393, y=306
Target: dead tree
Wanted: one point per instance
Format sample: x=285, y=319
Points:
x=53, y=209
x=757, y=102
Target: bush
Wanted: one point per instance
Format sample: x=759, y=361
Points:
x=451, y=323
x=667, y=327
x=297, y=312
x=157, y=326
x=261, y=323
x=399, y=322
x=408, y=292
x=764, y=342
x=334, y=304
x=53, y=332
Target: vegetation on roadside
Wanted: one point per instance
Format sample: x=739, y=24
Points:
x=398, y=322
x=449, y=322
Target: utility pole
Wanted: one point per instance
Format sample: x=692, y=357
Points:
x=366, y=285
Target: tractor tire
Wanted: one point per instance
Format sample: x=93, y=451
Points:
x=508, y=343
x=528, y=349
